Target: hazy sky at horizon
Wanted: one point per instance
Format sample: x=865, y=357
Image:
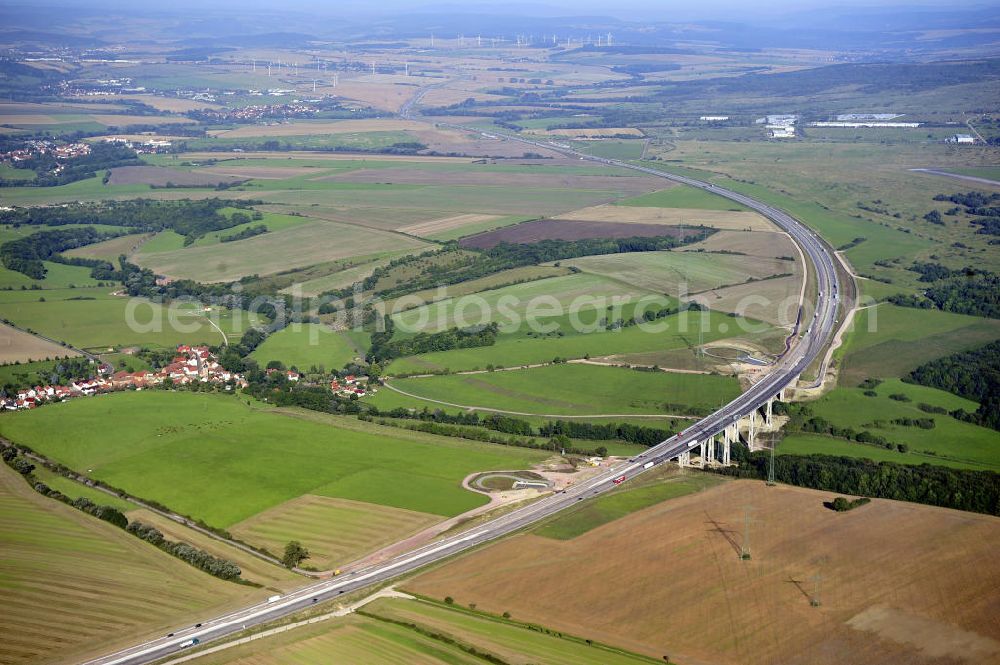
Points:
x=680, y=9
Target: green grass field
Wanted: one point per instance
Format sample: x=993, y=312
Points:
x=10, y=173
x=186, y=451
x=681, y=196
x=164, y=241
x=497, y=280
x=72, y=583
x=75, y=490
x=359, y=140
x=574, y=390
x=668, y=272
x=852, y=190
x=109, y=250
x=95, y=319
x=337, y=280
x=305, y=345
x=25, y=371
x=428, y=637
x=610, y=149
x=273, y=221
x=607, y=508
x=881, y=242
x=679, y=332
x=511, y=642
x=988, y=172
x=890, y=341
x=293, y=246
x=813, y=444
x=91, y=189
x=57, y=276
x=510, y=306
x=444, y=199
x=950, y=442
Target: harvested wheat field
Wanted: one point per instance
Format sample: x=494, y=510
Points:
x=260, y=172
x=335, y=531
x=447, y=97
x=111, y=249
x=558, y=229
x=73, y=585
x=592, y=133
x=386, y=92
x=753, y=243
x=627, y=184
x=433, y=226
x=19, y=346
x=719, y=219
x=900, y=582
x=311, y=127
x=773, y=300
x=161, y=176
x=330, y=157
x=125, y=120
x=450, y=141
x=171, y=104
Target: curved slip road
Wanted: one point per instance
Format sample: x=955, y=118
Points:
x=785, y=373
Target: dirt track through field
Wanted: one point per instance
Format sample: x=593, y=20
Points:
x=959, y=176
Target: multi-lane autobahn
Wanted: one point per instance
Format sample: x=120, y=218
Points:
x=798, y=357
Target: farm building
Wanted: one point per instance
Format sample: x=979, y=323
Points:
x=865, y=123
x=961, y=138
x=867, y=117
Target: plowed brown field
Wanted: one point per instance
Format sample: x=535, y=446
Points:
x=900, y=582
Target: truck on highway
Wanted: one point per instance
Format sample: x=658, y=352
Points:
x=190, y=643
x=619, y=480
x=648, y=465
x=271, y=599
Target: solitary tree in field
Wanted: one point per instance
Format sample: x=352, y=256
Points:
x=295, y=554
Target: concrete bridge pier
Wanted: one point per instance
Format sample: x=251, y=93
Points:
x=752, y=430
x=710, y=444
x=769, y=412
x=702, y=453
x=684, y=459
x=725, y=448
x=732, y=433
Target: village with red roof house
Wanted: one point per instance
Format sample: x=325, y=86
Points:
x=192, y=364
